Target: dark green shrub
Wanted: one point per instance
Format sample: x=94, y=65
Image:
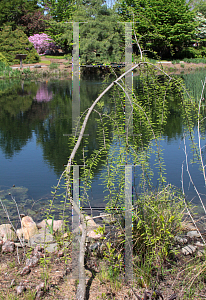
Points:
x=16, y=42
x=195, y=60
x=3, y=59
x=53, y=66
x=7, y=71
x=192, y=52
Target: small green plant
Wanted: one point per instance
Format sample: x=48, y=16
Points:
x=12, y=264
x=100, y=230
x=29, y=253
x=27, y=71
x=53, y=66
x=182, y=65
x=68, y=56
x=114, y=262
x=30, y=295
x=50, y=227
x=44, y=264
x=156, y=221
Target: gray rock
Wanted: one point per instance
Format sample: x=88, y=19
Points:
x=51, y=247
x=57, y=224
x=180, y=240
x=41, y=239
x=26, y=270
x=199, y=244
x=193, y=234
x=7, y=232
x=20, y=289
x=200, y=253
x=189, y=249
x=94, y=246
x=8, y=247
x=32, y=262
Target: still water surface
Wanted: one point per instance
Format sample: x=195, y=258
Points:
x=34, y=116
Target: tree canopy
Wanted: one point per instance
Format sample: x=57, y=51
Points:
x=11, y=11
x=34, y=22
x=164, y=27
x=101, y=37
x=198, y=6
x=60, y=10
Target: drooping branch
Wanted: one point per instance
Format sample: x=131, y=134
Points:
x=67, y=171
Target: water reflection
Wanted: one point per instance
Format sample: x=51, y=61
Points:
x=34, y=118
x=43, y=94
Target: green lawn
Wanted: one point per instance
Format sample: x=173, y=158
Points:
x=51, y=56
x=47, y=62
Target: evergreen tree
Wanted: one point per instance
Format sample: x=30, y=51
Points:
x=102, y=37
x=165, y=27
x=199, y=6
x=16, y=42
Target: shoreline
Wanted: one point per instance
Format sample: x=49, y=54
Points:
x=62, y=65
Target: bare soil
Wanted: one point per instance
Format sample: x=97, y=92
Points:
x=56, y=273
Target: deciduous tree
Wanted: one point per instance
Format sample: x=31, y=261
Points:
x=34, y=22
x=42, y=42
x=59, y=10
x=12, y=11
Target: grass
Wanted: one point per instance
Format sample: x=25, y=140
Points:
x=47, y=62
x=190, y=60
x=7, y=71
x=56, y=57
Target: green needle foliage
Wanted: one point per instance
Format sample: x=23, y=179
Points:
x=101, y=37
x=16, y=42
x=164, y=27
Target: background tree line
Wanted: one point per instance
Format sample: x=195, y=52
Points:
x=174, y=29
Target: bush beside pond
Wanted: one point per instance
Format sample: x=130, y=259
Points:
x=16, y=42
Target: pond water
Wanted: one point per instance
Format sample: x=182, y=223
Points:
x=34, y=118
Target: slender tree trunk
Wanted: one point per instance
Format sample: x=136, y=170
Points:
x=81, y=289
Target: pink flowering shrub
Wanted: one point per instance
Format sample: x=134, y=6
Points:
x=43, y=94
x=42, y=42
